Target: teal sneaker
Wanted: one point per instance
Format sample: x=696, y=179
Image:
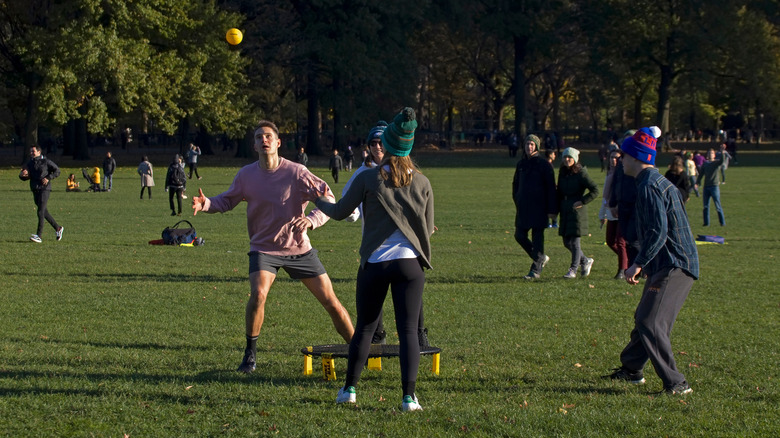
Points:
x=410, y=403
x=346, y=395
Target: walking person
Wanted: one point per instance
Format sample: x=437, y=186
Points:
x=349, y=155
x=573, y=182
x=335, y=165
x=302, y=158
x=40, y=170
x=618, y=246
x=277, y=192
x=109, y=166
x=146, y=171
x=175, y=181
x=669, y=260
x=535, y=198
x=710, y=173
x=397, y=202
x=621, y=205
x=193, y=153
x=691, y=171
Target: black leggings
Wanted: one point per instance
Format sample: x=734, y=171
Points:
x=406, y=280
x=148, y=189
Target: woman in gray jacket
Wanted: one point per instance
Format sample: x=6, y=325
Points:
x=398, y=203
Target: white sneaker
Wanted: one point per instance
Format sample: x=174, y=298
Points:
x=183, y=196
x=59, y=233
x=571, y=274
x=35, y=238
x=586, y=267
x=346, y=395
x=546, y=259
x=410, y=403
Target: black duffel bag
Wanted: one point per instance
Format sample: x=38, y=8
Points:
x=176, y=236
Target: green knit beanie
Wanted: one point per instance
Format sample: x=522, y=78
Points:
x=398, y=138
x=535, y=139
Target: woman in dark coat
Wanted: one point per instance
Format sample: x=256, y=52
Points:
x=677, y=176
x=573, y=181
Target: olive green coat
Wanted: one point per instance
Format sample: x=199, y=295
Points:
x=571, y=188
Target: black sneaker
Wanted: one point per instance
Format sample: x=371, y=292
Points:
x=248, y=364
x=379, y=337
x=681, y=388
x=635, y=377
x=422, y=337
x=621, y=275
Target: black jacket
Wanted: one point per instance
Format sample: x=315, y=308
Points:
x=109, y=165
x=533, y=190
x=38, y=169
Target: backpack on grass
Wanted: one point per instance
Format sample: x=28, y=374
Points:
x=177, y=236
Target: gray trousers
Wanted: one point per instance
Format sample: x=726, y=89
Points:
x=662, y=298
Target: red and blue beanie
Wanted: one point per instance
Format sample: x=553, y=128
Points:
x=642, y=145
x=398, y=138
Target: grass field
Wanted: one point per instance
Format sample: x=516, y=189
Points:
x=105, y=335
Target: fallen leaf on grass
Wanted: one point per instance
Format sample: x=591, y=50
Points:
x=563, y=411
x=190, y=411
x=693, y=365
x=565, y=406
x=381, y=398
x=682, y=353
x=591, y=286
x=578, y=365
x=188, y=388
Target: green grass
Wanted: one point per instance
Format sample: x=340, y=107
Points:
x=105, y=335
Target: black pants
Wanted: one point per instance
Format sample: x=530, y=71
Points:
x=533, y=247
x=148, y=189
x=662, y=298
x=177, y=192
x=335, y=173
x=406, y=280
x=41, y=198
x=194, y=168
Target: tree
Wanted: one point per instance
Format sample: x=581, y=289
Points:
x=96, y=61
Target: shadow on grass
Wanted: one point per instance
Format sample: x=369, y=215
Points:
x=139, y=277
x=122, y=346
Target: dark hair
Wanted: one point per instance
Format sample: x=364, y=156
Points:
x=676, y=166
x=267, y=124
x=573, y=170
x=144, y=158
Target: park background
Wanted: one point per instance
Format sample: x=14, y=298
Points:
x=105, y=335
x=78, y=73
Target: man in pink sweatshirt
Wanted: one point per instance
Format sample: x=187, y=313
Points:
x=277, y=191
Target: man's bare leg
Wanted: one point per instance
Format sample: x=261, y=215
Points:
x=322, y=289
x=260, y=283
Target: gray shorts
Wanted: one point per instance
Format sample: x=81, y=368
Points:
x=307, y=265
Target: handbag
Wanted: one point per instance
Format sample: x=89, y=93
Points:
x=177, y=236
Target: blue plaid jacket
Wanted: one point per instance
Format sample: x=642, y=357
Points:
x=662, y=225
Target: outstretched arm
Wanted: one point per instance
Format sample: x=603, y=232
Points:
x=198, y=202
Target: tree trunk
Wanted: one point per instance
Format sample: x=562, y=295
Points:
x=81, y=149
x=31, y=119
x=520, y=105
x=312, y=116
x=664, y=98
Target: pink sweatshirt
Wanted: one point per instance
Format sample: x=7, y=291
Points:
x=274, y=199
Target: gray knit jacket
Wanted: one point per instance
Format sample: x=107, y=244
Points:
x=385, y=209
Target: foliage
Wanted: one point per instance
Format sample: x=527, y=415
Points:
x=107, y=335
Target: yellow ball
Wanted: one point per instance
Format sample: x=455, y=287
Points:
x=234, y=36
